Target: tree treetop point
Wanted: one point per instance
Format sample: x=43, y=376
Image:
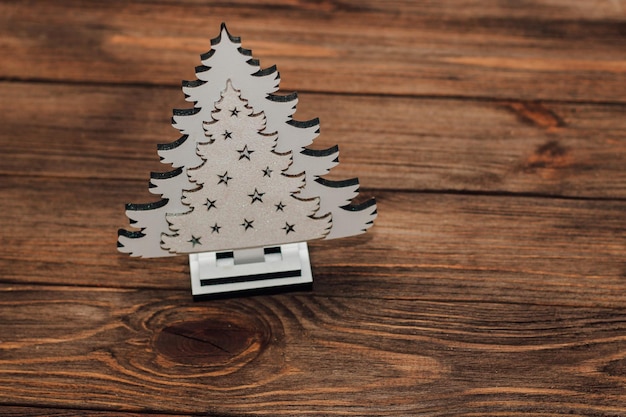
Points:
x=225, y=33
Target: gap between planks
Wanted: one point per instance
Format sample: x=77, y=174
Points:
x=483, y=99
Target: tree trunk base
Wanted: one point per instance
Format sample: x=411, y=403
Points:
x=256, y=270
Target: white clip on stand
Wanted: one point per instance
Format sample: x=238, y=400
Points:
x=250, y=270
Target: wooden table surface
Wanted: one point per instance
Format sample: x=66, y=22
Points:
x=492, y=133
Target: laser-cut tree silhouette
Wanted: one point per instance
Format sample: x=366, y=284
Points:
x=228, y=62
x=243, y=195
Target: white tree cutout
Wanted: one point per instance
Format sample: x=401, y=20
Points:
x=185, y=221
x=243, y=197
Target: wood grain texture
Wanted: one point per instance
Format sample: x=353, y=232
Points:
x=134, y=350
x=542, y=50
x=19, y=411
x=492, y=284
x=424, y=246
x=389, y=143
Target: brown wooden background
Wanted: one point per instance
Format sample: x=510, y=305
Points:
x=493, y=134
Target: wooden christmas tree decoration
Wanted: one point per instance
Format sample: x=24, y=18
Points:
x=245, y=193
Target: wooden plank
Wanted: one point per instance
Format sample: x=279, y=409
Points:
x=398, y=143
x=422, y=247
x=558, y=50
x=33, y=411
x=130, y=350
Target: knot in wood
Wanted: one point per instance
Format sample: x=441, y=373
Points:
x=213, y=341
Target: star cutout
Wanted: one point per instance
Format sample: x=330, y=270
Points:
x=234, y=112
x=267, y=172
x=227, y=135
x=257, y=196
x=247, y=224
x=194, y=241
x=245, y=153
x=215, y=228
x=210, y=204
x=224, y=178
x=288, y=228
x=280, y=206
